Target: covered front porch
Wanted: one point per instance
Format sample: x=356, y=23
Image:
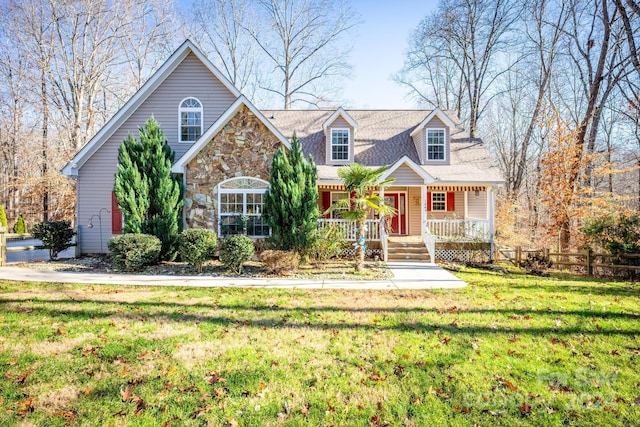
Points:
x=430, y=212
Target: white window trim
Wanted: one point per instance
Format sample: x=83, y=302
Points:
x=445, y=201
x=244, y=191
x=426, y=144
x=348, y=159
x=180, y=110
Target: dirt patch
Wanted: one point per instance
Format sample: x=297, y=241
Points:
x=59, y=399
x=49, y=348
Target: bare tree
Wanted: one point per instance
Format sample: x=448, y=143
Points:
x=465, y=38
x=219, y=29
x=305, y=41
x=629, y=11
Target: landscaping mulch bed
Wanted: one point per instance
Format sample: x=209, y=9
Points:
x=329, y=269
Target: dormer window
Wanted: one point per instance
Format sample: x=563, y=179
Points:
x=340, y=144
x=435, y=144
x=190, y=120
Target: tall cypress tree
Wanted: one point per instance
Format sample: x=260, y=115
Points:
x=149, y=196
x=291, y=204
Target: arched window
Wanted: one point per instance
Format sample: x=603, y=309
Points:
x=240, y=207
x=190, y=120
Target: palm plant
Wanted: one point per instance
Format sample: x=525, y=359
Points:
x=363, y=185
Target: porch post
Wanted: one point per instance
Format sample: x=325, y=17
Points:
x=492, y=210
x=383, y=232
x=423, y=208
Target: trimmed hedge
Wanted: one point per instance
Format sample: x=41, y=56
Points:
x=196, y=245
x=235, y=251
x=132, y=252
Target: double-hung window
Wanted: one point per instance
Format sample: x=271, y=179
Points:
x=435, y=144
x=190, y=120
x=340, y=144
x=438, y=201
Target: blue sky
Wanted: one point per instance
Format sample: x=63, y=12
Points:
x=379, y=51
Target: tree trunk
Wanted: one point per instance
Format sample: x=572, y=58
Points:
x=359, y=266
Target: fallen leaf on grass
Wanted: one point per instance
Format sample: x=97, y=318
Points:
x=200, y=412
x=67, y=415
x=144, y=355
x=615, y=353
x=305, y=409
x=214, y=378
x=12, y=362
x=119, y=360
x=525, y=408
x=461, y=409
x=23, y=407
x=125, y=394
x=445, y=340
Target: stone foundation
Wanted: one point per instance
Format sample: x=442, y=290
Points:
x=244, y=147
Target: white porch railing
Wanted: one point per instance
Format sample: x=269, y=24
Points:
x=463, y=230
x=348, y=228
x=430, y=242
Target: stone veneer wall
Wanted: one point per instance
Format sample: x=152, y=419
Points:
x=244, y=147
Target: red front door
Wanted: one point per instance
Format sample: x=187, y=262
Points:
x=398, y=221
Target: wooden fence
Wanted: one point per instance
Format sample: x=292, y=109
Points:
x=586, y=260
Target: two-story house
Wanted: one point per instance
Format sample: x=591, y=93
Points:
x=444, y=182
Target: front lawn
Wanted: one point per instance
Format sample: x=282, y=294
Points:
x=506, y=350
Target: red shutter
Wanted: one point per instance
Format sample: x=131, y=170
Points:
x=326, y=202
x=116, y=215
x=451, y=202
x=428, y=201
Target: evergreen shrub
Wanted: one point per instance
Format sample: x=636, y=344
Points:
x=196, y=245
x=3, y=217
x=235, y=251
x=20, y=227
x=56, y=236
x=134, y=251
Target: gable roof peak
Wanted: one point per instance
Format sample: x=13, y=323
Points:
x=160, y=75
x=437, y=112
x=339, y=112
x=180, y=164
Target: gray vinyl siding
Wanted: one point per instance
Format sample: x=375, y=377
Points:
x=418, y=141
x=404, y=175
x=339, y=123
x=96, y=176
x=477, y=205
x=436, y=123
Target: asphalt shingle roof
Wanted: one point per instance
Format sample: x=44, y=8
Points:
x=382, y=138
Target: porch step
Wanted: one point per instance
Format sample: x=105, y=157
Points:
x=407, y=249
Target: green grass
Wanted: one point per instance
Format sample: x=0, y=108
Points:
x=506, y=350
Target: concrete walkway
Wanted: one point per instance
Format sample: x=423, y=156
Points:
x=406, y=275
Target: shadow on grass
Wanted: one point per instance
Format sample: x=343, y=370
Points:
x=284, y=317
